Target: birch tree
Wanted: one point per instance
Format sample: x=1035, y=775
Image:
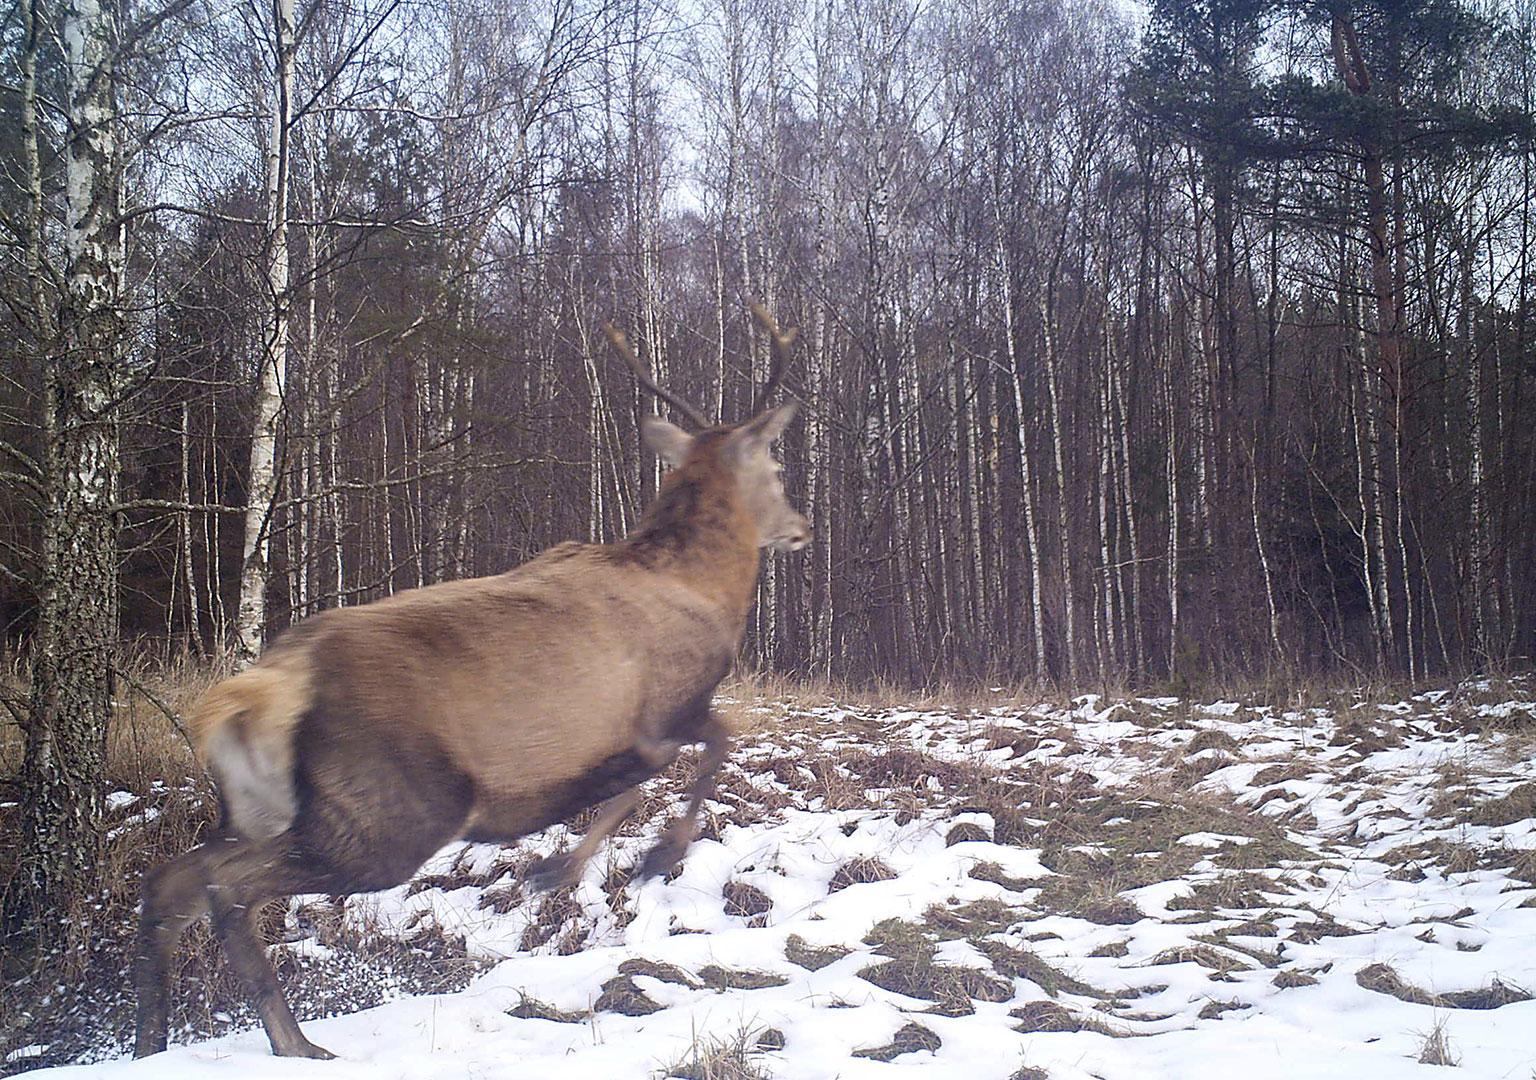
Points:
x=74, y=641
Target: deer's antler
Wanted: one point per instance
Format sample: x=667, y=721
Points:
x=620, y=343
x=781, y=341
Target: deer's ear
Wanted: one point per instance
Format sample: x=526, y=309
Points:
x=666, y=440
x=765, y=427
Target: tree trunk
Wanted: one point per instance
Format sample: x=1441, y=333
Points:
x=261, y=485
x=75, y=637
x=1063, y=504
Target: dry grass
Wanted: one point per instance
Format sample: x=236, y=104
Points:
x=1045, y=1016
x=1383, y=979
x=531, y=1008
x=667, y=973
x=1436, y=1048
x=1205, y=956
x=1098, y=845
x=1214, y=1010
x=621, y=995
x=973, y=920
x=722, y=978
x=1015, y=963
x=1289, y=980
x=909, y=1039
x=912, y=970
x=966, y=832
x=812, y=957
x=991, y=871
x=1517, y=805
x=747, y=901
x=1240, y=890
x=860, y=871
x=737, y=1056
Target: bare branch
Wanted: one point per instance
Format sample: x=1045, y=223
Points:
x=149, y=695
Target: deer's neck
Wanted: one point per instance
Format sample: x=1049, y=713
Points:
x=698, y=530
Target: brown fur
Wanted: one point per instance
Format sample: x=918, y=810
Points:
x=367, y=738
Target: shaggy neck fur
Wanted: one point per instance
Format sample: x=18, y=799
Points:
x=698, y=528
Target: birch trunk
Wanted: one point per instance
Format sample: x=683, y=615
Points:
x=1478, y=554
x=1127, y=501
x=1112, y=602
x=74, y=641
x=1171, y=464
x=1063, y=507
x=261, y=485
x=1026, y=470
x=194, y=627
x=1264, y=562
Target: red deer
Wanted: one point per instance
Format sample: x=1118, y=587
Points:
x=367, y=738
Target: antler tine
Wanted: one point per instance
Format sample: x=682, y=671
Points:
x=781, y=342
x=620, y=343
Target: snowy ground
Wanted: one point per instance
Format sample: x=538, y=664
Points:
x=1137, y=889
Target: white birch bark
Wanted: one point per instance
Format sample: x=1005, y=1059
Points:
x=1111, y=603
x=75, y=636
x=1022, y=411
x=1264, y=562
x=1171, y=464
x=261, y=484
x=194, y=627
x=1063, y=503
x=1127, y=500
x=1478, y=553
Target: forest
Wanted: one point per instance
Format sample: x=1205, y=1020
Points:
x=1137, y=346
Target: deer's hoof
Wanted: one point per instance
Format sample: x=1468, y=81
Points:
x=553, y=872
x=662, y=860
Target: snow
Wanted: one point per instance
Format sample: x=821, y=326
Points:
x=1379, y=868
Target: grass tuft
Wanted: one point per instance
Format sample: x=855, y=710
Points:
x=860, y=871
x=909, y=1039
x=812, y=957
x=1436, y=1048
x=531, y=1008
x=747, y=901
x=727, y=1057
x=621, y=995
x=721, y=978
x=1384, y=979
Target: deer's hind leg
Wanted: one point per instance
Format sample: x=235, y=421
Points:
x=175, y=896
x=242, y=876
x=674, y=841
x=558, y=871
